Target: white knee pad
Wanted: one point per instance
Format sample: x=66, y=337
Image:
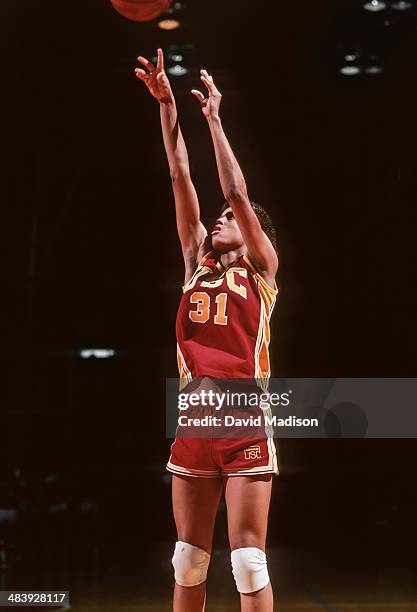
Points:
x=190, y=564
x=249, y=569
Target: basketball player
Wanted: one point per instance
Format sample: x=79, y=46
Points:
x=222, y=332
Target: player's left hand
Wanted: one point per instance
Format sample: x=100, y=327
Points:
x=210, y=105
x=156, y=79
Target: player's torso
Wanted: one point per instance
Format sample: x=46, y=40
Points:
x=223, y=322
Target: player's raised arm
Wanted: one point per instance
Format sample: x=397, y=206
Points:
x=233, y=183
x=191, y=231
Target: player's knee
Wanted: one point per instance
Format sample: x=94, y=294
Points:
x=250, y=569
x=190, y=564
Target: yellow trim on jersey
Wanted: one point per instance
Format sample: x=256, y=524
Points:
x=273, y=290
x=217, y=263
x=204, y=258
x=199, y=265
x=268, y=296
x=199, y=271
x=185, y=374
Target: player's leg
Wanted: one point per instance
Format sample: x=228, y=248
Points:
x=247, y=500
x=195, y=502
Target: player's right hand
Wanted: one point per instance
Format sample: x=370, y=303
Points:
x=156, y=79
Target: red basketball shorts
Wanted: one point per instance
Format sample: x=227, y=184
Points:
x=214, y=457
x=212, y=451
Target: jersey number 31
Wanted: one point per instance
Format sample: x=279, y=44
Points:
x=202, y=314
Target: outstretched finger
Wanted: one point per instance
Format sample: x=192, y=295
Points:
x=160, y=64
x=207, y=76
x=208, y=80
x=206, y=83
x=212, y=89
x=141, y=74
x=199, y=96
x=146, y=63
x=209, y=83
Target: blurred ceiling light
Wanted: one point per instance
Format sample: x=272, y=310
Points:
x=373, y=70
x=351, y=57
x=176, y=58
x=168, y=24
x=401, y=5
x=350, y=70
x=177, y=70
x=97, y=353
x=375, y=5
x=177, y=6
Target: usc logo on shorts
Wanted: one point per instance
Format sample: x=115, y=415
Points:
x=253, y=452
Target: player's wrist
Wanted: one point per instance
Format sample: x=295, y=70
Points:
x=214, y=118
x=168, y=101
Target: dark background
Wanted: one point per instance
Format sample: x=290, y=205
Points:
x=91, y=257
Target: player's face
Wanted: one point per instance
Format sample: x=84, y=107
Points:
x=225, y=235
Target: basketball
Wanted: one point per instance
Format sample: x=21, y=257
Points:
x=141, y=10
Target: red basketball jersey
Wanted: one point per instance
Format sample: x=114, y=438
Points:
x=223, y=322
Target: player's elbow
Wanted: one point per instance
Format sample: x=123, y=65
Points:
x=179, y=173
x=236, y=194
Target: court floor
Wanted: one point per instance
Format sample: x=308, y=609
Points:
x=303, y=581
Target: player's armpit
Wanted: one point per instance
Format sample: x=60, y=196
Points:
x=193, y=254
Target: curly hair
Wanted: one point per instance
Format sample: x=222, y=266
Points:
x=264, y=219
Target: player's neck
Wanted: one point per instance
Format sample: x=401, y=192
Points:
x=227, y=259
